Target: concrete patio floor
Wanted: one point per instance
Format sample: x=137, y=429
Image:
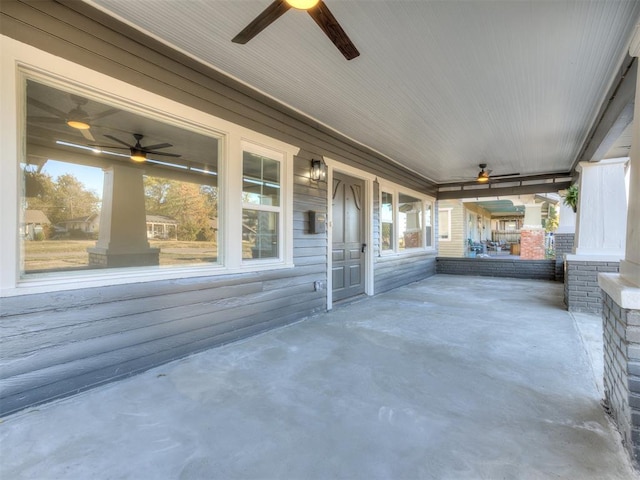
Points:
x=450, y=378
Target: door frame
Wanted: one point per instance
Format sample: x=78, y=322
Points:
x=367, y=212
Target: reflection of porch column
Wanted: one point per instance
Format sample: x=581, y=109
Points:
x=621, y=311
x=532, y=233
x=602, y=208
x=122, y=241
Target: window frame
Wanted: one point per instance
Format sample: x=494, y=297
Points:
x=17, y=66
x=395, y=190
x=278, y=156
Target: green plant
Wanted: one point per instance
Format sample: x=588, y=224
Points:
x=571, y=197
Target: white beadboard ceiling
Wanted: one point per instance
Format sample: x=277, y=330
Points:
x=439, y=87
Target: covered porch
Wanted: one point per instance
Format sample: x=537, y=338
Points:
x=455, y=387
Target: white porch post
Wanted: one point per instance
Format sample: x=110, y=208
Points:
x=602, y=209
x=567, y=217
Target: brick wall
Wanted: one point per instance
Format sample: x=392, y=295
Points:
x=621, y=337
x=497, y=267
x=532, y=244
x=563, y=244
x=581, y=290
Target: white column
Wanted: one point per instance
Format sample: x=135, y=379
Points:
x=602, y=209
x=532, y=216
x=630, y=266
x=567, y=219
x=122, y=240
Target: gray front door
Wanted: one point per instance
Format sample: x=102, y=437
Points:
x=348, y=243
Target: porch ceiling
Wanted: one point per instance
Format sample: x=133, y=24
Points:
x=439, y=87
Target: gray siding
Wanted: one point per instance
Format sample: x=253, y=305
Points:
x=394, y=271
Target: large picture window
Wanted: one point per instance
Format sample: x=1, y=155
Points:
x=105, y=187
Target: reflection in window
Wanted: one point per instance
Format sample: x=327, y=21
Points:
x=261, y=201
x=386, y=219
x=409, y=222
x=86, y=203
x=428, y=227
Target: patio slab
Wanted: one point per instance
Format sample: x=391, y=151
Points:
x=449, y=378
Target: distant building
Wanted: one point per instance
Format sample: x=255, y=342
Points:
x=34, y=222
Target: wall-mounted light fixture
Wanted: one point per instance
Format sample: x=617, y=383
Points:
x=318, y=170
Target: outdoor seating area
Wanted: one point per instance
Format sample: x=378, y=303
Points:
x=489, y=248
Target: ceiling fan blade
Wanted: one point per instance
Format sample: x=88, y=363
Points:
x=46, y=108
x=163, y=154
x=87, y=134
x=262, y=21
x=332, y=29
x=45, y=119
x=119, y=141
x=111, y=111
x=156, y=147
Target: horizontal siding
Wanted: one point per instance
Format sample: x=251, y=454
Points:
x=394, y=271
x=456, y=247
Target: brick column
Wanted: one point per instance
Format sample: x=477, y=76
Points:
x=621, y=294
x=532, y=233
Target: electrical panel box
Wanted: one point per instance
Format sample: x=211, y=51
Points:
x=317, y=222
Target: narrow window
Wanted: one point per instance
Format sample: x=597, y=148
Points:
x=428, y=222
x=386, y=219
x=261, y=213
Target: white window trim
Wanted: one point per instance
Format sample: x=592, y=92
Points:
x=17, y=58
x=448, y=210
x=395, y=190
x=284, y=209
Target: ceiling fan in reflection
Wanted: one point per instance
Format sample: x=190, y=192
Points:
x=138, y=151
x=75, y=118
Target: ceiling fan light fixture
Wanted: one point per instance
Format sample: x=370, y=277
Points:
x=302, y=4
x=138, y=155
x=483, y=177
x=78, y=119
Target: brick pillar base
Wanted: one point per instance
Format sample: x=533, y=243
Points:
x=532, y=244
x=621, y=332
